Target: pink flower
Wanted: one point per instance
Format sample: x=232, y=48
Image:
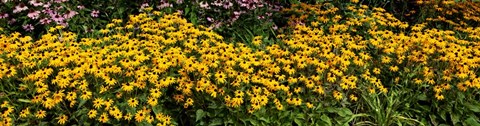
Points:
x=227, y=5
x=45, y=21
x=204, y=5
x=19, y=8
x=35, y=3
x=81, y=7
x=60, y=1
x=64, y=24
x=69, y=14
x=164, y=4
x=57, y=18
x=28, y=27
x=274, y=27
x=179, y=1
x=3, y=15
x=210, y=19
x=261, y=17
x=217, y=3
x=144, y=5
x=47, y=5
x=48, y=11
x=95, y=13
x=180, y=12
x=13, y=20
x=33, y=14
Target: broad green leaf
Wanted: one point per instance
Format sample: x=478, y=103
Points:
x=216, y=122
x=326, y=119
x=344, y=112
x=264, y=119
x=199, y=115
x=187, y=9
x=300, y=116
x=254, y=122
x=298, y=122
x=472, y=122
x=474, y=108
x=455, y=118
x=331, y=110
x=443, y=115
x=422, y=97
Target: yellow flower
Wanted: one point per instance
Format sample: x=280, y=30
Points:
x=439, y=96
x=92, y=113
x=220, y=77
x=62, y=119
x=86, y=95
x=353, y=98
x=41, y=114
x=152, y=101
x=309, y=105
x=394, y=68
x=337, y=95
x=133, y=102
x=98, y=102
x=103, y=118
x=140, y=116
x=24, y=113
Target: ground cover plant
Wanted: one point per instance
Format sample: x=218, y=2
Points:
x=333, y=63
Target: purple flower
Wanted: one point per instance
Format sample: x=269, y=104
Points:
x=28, y=27
x=164, y=4
x=217, y=3
x=57, y=18
x=19, y=8
x=210, y=19
x=95, y=13
x=69, y=14
x=179, y=1
x=35, y=3
x=12, y=21
x=227, y=5
x=81, y=7
x=33, y=14
x=48, y=11
x=3, y=15
x=144, y=5
x=204, y=5
x=47, y=5
x=45, y=21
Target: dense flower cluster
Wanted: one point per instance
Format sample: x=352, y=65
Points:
x=131, y=68
x=225, y=12
x=40, y=12
x=434, y=57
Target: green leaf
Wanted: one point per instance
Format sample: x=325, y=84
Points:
x=300, y=116
x=455, y=118
x=298, y=122
x=216, y=122
x=187, y=9
x=326, y=119
x=254, y=122
x=474, y=108
x=344, y=112
x=472, y=122
x=264, y=119
x=422, y=97
x=331, y=110
x=443, y=115
x=24, y=100
x=199, y=115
